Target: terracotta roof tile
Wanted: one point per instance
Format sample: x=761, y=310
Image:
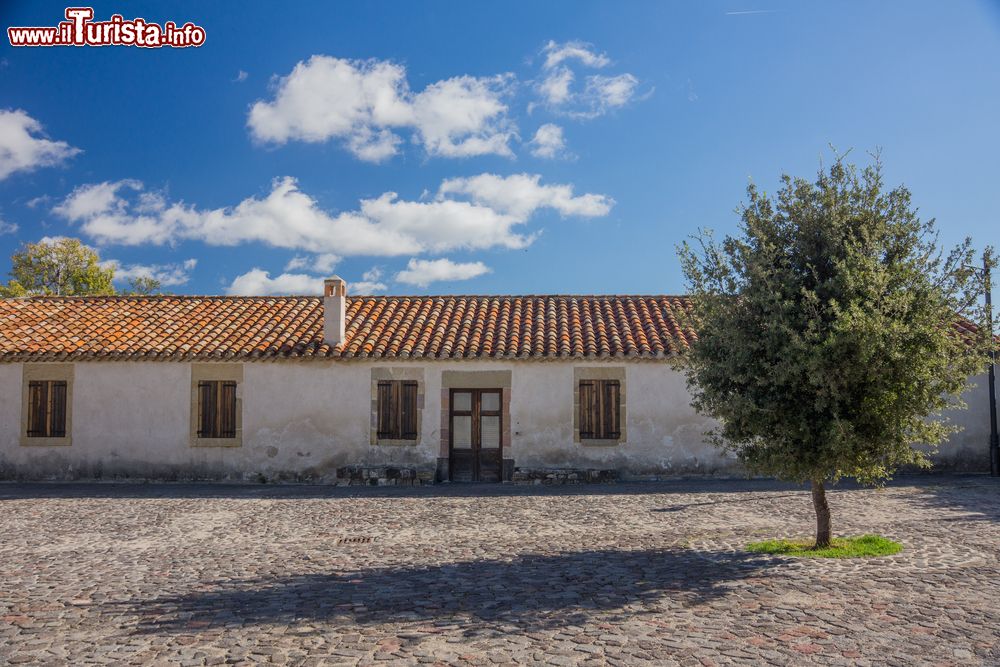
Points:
x=378, y=327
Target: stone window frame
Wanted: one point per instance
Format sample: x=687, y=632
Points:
x=59, y=372
x=393, y=373
x=216, y=372
x=600, y=373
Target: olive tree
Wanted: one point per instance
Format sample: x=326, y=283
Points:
x=830, y=331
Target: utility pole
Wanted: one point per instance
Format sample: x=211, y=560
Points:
x=994, y=438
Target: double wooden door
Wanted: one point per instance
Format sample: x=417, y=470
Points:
x=476, y=435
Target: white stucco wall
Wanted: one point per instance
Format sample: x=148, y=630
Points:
x=306, y=419
x=968, y=450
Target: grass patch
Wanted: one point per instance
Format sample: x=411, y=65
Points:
x=840, y=547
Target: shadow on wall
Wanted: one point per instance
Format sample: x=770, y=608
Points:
x=530, y=591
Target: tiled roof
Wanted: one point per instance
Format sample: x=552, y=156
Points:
x=378, y=327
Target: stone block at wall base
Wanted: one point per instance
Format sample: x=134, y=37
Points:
x=383, y=476
x=563, y=476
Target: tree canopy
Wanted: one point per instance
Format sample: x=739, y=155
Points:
x=65, y=267
x=827, y=343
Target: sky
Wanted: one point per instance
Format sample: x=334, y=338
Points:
x=479, y=148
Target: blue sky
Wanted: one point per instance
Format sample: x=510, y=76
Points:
x=557, y=147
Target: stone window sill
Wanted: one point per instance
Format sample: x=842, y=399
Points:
x=46, y=442
x=393, y=442
x=217, y=442
x=601, y=442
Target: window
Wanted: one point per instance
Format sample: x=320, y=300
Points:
x=216, y=409
x=397, y=410
x=47, y=408
x=599, y=409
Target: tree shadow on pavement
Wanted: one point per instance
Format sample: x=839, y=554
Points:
x=967, y=498
x=527, y=592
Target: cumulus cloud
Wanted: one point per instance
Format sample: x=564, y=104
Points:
x=22, y=146
x=548, y=141
x=321, y=263
x=166, y=274
x=477, y=213
x=556, y=54
x=370, y=283
x=257, y=282
x=364, y=103
x=520, y=195
x=423, y=272
x=599, y=94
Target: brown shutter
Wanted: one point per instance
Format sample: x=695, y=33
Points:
x=206, y=409
x=408, y=411
x=57, y=414
x=37, y=404
x=587, y=408
x=612, y=391
x=385, y=417
x=227, y=410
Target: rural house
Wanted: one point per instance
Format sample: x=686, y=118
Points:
x=373, y=389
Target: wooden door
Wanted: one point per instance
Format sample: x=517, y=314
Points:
x=475, y=435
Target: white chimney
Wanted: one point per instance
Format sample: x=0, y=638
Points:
x=334, y=310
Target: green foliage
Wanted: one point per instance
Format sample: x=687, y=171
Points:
x=841, y=547
x=826, y=341
x=66, y=267
x=62, y=266
x=142, y=286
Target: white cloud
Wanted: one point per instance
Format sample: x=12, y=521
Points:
x=488, y=213
x=423, y=272
x=241, y=76
x=548, y=141
x=321, y=263
x=364, y=103
x=609, y=92
x=520, y=195
x=370, y=283
x=7, y=227
x=296, y=263
x=556, y=54
x=554, y=88
x=23, y=149
x=166, y=274
x=600, y=94
x=257, y=282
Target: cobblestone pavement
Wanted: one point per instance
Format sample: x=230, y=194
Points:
x=622, y=574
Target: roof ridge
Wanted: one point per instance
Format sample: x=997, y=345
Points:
x=239, y=297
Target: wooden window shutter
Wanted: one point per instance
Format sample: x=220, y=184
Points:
x=227, y=410
x=587, y=409
x=408, y=411
x=206, y=409
x=612, y=397
x=385, y=409
x=57, y=412
x=37, y=409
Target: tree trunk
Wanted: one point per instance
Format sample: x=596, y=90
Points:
x=822, y=514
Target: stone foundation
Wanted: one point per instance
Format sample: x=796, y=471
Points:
x=564, y=476
x=383, y=476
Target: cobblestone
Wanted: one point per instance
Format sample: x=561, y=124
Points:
x=493, y=575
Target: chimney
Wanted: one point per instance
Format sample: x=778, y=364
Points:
x=334, y=310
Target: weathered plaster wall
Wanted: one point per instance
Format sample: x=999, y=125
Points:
x=305, y=419
x=663, y=434
x=968, y=450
